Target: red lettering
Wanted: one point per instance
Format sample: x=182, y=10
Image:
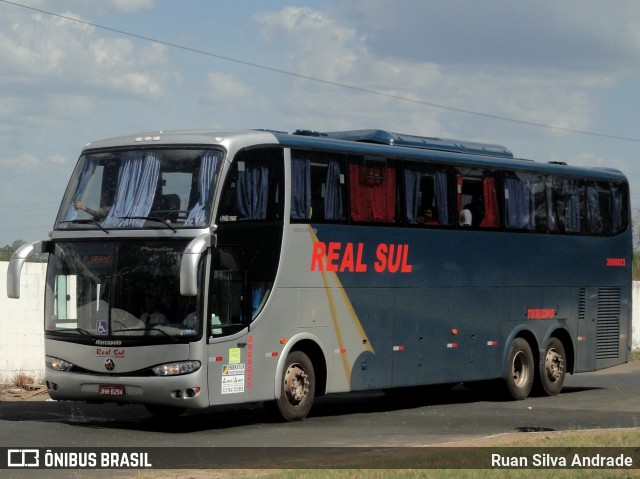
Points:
x=406, y=267
x=333, y=255
x=393, y=258
x=347, y=259
x=381, y=254
x=360, y=267
x=541, y=313
x=616, y=262
x=319, y=250
x=394, y=262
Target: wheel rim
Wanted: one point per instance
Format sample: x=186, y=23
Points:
x=554, y=365
x=296, y=384
x=520, y=369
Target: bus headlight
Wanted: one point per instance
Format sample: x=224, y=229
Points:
x=176, y=369
x=57, y=364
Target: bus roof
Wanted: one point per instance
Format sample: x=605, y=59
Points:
x=410, y=141
x=372, y=141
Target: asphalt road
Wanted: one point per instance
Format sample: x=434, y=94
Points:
x=604, y=399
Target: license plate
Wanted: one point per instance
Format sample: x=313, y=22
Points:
x=110, y=390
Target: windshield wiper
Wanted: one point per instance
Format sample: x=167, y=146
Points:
x=76, y=330
x=86, y=222
x=155, y=219
x=118, y=332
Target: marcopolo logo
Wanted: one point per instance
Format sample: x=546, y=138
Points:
x=23, y=458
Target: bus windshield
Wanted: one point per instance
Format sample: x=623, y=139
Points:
x=132, y=189
x=119, y=289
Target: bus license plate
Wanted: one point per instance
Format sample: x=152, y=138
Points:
x=110, y=390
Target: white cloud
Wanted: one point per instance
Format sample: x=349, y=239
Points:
x=224, y=86
x=69, y=56
x=572, y=34
x=327, y=46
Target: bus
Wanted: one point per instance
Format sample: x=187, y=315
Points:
x=190, y=269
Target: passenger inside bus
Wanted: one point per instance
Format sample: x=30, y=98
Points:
x=151, y=315
x=106, y=201
x=465, y=217
x=428, y=218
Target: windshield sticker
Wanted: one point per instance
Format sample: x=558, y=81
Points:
x=102, y=328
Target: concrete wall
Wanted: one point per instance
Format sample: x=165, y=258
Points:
x=21, y=323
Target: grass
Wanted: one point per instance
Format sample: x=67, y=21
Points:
x=22, y=380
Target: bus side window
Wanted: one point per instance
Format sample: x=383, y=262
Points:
x=568, y=197
x=426, y=196
x=525, y=199
x=372, y=190
x=254, y=187
x=477, y=198
x=317, y=187
x=605, y=208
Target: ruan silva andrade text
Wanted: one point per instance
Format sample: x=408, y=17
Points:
x=348, y=258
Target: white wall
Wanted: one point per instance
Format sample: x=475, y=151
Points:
x=21, y=323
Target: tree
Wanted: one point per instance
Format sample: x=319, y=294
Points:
x=7, y=250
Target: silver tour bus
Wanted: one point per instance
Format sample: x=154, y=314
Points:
x=190, y=269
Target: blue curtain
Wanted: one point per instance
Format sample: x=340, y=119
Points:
x=300, y=189
x=616, y=208
x=137, y=182
x=412, y=194
x=88, y=168
x=519, y=204
x=571, y=193
x=333, y=200
x=595, y=220
x=252, y=190
x=209, y=164
x=440, y=178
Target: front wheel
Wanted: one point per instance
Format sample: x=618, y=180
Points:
x=297, y=388
x=553, y=369
x=520, y=369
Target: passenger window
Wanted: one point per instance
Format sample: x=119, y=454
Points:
x=476, y=198
x=567, y=211
x=254, y=187
x=317, y=187
x=525, y=200
x=605, y=207
x=426, y=195
x=372, y=190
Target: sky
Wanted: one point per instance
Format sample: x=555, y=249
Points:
x=550, y=80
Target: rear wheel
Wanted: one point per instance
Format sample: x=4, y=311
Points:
x=553, y=369
x=298, y=387
x=520, y=369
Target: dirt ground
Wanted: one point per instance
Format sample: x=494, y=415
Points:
x=31, y=392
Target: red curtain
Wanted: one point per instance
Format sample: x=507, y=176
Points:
x=491, y=214
x=372, y=193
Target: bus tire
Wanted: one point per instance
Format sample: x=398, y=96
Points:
x=520, y=369
x=298, y=387
x=553, y=368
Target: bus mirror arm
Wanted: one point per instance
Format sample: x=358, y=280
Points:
x=190, y=260
x=18, y=259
